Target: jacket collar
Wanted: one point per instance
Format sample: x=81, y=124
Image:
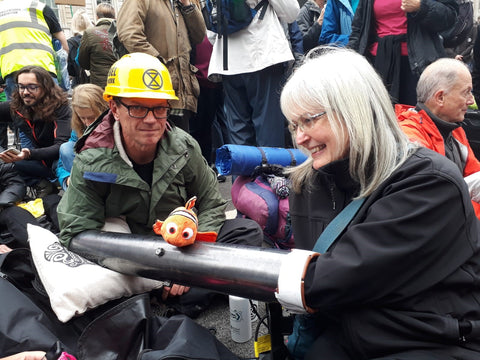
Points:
x=444, y=127
x=338, y=172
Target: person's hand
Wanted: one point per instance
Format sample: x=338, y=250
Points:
x=173, y=290
x=9, y=157
x=27, y=355
x=459, y=57
x=3, y=250
x=410, y=6
x=322, y=13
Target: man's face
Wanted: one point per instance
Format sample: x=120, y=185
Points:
x=29, y=88
x=140, y=134
x=457, y=99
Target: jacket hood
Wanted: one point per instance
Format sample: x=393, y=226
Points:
x=98, y=134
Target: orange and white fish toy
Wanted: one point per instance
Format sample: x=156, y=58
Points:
x=180, y=227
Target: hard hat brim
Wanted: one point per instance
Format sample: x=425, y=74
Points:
x=141, y=95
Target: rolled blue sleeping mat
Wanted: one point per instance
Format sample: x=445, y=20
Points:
x=243, y=159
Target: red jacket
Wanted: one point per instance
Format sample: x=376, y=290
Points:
x=419, y=127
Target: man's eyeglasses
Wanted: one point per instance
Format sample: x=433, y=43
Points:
x=31, y=88
x=139, y=112
x=305, y=123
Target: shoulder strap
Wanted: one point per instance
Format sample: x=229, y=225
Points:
x=262, y=5
x=337, y=225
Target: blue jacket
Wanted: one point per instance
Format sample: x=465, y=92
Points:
x=62, y=172
x=337, y=22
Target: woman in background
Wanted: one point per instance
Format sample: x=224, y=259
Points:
x=379, y=32
x=80, y=22
x=87, y=106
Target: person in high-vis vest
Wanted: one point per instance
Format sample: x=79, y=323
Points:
x=27, y=28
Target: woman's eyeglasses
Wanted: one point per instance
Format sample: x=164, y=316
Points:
x=305, y=123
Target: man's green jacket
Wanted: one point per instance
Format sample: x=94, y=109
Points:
x=103, y=183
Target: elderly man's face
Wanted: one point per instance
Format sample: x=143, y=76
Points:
x=457, y=100
x=141, y=134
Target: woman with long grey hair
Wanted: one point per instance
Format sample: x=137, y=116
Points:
x=399, y=281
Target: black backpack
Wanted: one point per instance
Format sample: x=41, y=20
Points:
x=462, y=27
x=118, y=48
x=226, y=17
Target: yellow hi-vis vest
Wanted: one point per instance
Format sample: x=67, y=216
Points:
x=24, y=37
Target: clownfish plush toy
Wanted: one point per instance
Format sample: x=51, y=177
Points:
x=180, y=227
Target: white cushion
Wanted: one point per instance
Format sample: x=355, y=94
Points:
x=75, y=284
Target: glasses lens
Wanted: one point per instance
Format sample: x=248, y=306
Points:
x=307, y=123
x=138, y=111
x=160, y=112
x=30, y=88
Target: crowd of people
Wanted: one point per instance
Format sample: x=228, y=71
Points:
x=375, y=103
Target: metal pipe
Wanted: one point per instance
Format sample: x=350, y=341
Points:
x=232, y=269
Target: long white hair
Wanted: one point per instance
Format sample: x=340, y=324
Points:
x=345, y=85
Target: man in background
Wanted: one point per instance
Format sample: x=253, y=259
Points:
x=444, y=92
x=26, y=31
x=167, y=30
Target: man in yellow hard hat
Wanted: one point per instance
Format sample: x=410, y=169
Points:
x=133, y=165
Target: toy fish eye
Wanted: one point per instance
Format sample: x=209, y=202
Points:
x=172, y=228
x=187, y=233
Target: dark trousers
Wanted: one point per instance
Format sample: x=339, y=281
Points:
x=240, y=231
x=50, y=203
x=408, y=83
x=220, y=133
x=252, y=106
x=182, y=121
x=14, y=220
x=210, y=102
x=32, y=171
x=3, y=136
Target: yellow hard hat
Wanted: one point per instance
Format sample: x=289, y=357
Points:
x=139, y=75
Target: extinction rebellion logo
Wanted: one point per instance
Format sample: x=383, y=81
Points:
x=152, y=79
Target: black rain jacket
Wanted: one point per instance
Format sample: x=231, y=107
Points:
x=404, y=275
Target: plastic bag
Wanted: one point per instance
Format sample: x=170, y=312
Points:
x=61, y=65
